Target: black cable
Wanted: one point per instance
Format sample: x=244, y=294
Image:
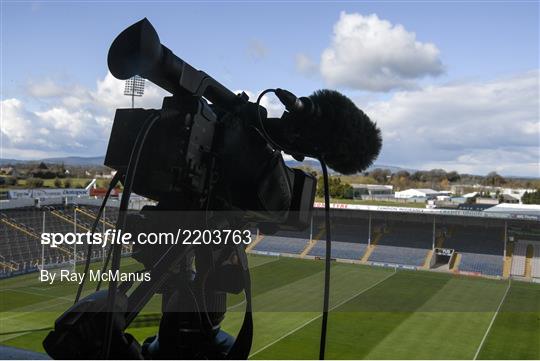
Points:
x=261, y=123
x=120, y=224
x=265, y=134
x=104, y=268
x=105, y=264
x=112, y=184
x=326, y=298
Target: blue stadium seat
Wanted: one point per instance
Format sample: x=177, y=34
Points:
x=343, y=250
x=281, y=245
x=481, y=263
x=475, y=239
x=399, y=255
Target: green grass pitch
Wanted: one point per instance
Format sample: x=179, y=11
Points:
x=376, y=313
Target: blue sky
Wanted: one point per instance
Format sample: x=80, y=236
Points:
x=402, y=62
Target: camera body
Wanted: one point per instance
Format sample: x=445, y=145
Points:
x=211, y=159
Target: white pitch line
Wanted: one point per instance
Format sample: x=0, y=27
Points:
x=7, y=338
x=320, y=315
x=36, y=293
x=492, y=320
x=17, y=314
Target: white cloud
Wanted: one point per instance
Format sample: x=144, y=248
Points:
x=72, y=120
x=45, y=89
x=472, y=127
x=305, y=65
x=372, y=54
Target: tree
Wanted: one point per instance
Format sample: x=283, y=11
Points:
x=453, y=176
x=67, y=183
x=531, y=198
x=494, y=179
x=419, y=176
x=34, y=182
x=444, y=184
x=57, y=183
x=380, y=175
x=336, y=187
x=10, y=181
x=401, y=180
x=403, y=174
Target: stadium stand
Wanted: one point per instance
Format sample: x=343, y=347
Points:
x=399, y=255
x=20, y=232
x=281, y=245
x=403, y=243
x=353, y=233
x=21, y=247
x=476, y=239
x=487, y=264
x=349, y=238
x=344, y=250
x=518, y=259
x=481, y=248
x=399, y=238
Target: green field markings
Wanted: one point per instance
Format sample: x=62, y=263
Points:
x=466, y=294
x=256, y=260
x=298, y=302
x=40, y=294
x=492, y=320
x=305, y=294
x=20, y=313
x=270, y=275
x=410, y=315
x=15, y=328
x=356, y=326
x=456, y=315
x=311, y=320
x=515, y=332
x=29, y=341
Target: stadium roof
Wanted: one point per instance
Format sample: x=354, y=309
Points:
x=508, y=213
x=527, y=209
x=372, y=186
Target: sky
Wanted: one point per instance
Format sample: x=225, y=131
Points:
x=452, y=85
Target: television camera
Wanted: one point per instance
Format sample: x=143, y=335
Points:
x=211, y=159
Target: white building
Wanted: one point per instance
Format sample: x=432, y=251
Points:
x=374, y=190
x=516, y=209
x=420, y=193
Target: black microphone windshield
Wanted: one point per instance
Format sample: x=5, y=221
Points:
x=343, y=134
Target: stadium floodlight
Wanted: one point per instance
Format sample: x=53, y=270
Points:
x=134, y=88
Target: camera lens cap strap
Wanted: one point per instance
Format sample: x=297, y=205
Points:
x=242, y=345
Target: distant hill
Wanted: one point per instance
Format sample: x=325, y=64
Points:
x=315, y=165
x=312, y=163
x=72, y=161
x=82, y=161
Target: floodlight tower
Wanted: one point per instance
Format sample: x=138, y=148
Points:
x=134, y=88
